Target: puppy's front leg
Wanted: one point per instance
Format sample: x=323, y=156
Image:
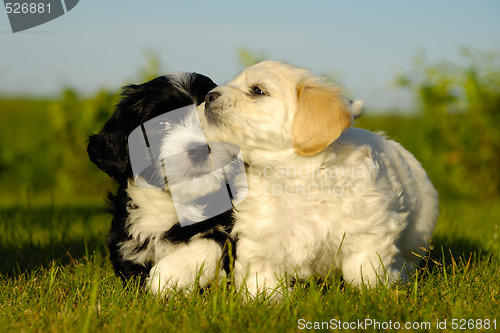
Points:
x=254, y=275
x=370, y=268
x=179, y=269
x=256, y=278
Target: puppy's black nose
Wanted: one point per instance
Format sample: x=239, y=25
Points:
x=198, y=153
x=211, y=96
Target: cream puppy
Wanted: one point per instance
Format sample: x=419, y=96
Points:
x=321, y=194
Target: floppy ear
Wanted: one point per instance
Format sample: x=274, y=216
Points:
x=321, y=116
x=108, y=150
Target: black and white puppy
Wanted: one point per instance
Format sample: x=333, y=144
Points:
x=146, y=238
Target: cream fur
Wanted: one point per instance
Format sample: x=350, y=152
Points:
x=363, y=205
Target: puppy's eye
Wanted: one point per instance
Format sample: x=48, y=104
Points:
x=257, y=91
x=161, y=125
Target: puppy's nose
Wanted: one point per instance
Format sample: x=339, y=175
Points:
x=198, y=153
x=211, y=96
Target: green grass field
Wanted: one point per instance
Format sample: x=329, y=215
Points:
x=55, y=274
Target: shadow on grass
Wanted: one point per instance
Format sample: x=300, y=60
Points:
x=34, y=238
x=32, y=258
x=449, y=251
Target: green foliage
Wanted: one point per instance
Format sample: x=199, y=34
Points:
x=152, y=68
x=44, y=146
x=71, y=119
x=247, y=58
x=22, y=137
x=460, y=106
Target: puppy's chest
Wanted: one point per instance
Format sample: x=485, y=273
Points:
x=291, y=202
x=151, y=213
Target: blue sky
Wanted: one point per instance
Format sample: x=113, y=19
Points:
x=364, y=43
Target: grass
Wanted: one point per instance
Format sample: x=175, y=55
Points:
x=55, y=276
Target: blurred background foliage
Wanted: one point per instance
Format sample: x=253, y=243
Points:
x=453, y=132
x=459, y=105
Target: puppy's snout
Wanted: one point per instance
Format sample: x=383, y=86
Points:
x=213, y=107
x=211, y=97
x=198, y=153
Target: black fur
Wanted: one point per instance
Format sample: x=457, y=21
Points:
x=109, y=151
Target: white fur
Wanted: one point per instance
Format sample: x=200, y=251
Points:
x=357, y=108
x=362, y=206
x=200, y=259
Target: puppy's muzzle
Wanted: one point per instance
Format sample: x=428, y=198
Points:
x=211, y=97
x=198, y=153
x=210, y=106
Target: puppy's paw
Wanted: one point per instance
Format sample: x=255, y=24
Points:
x=163, y=280
x=196, y=263
x=264, y=284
